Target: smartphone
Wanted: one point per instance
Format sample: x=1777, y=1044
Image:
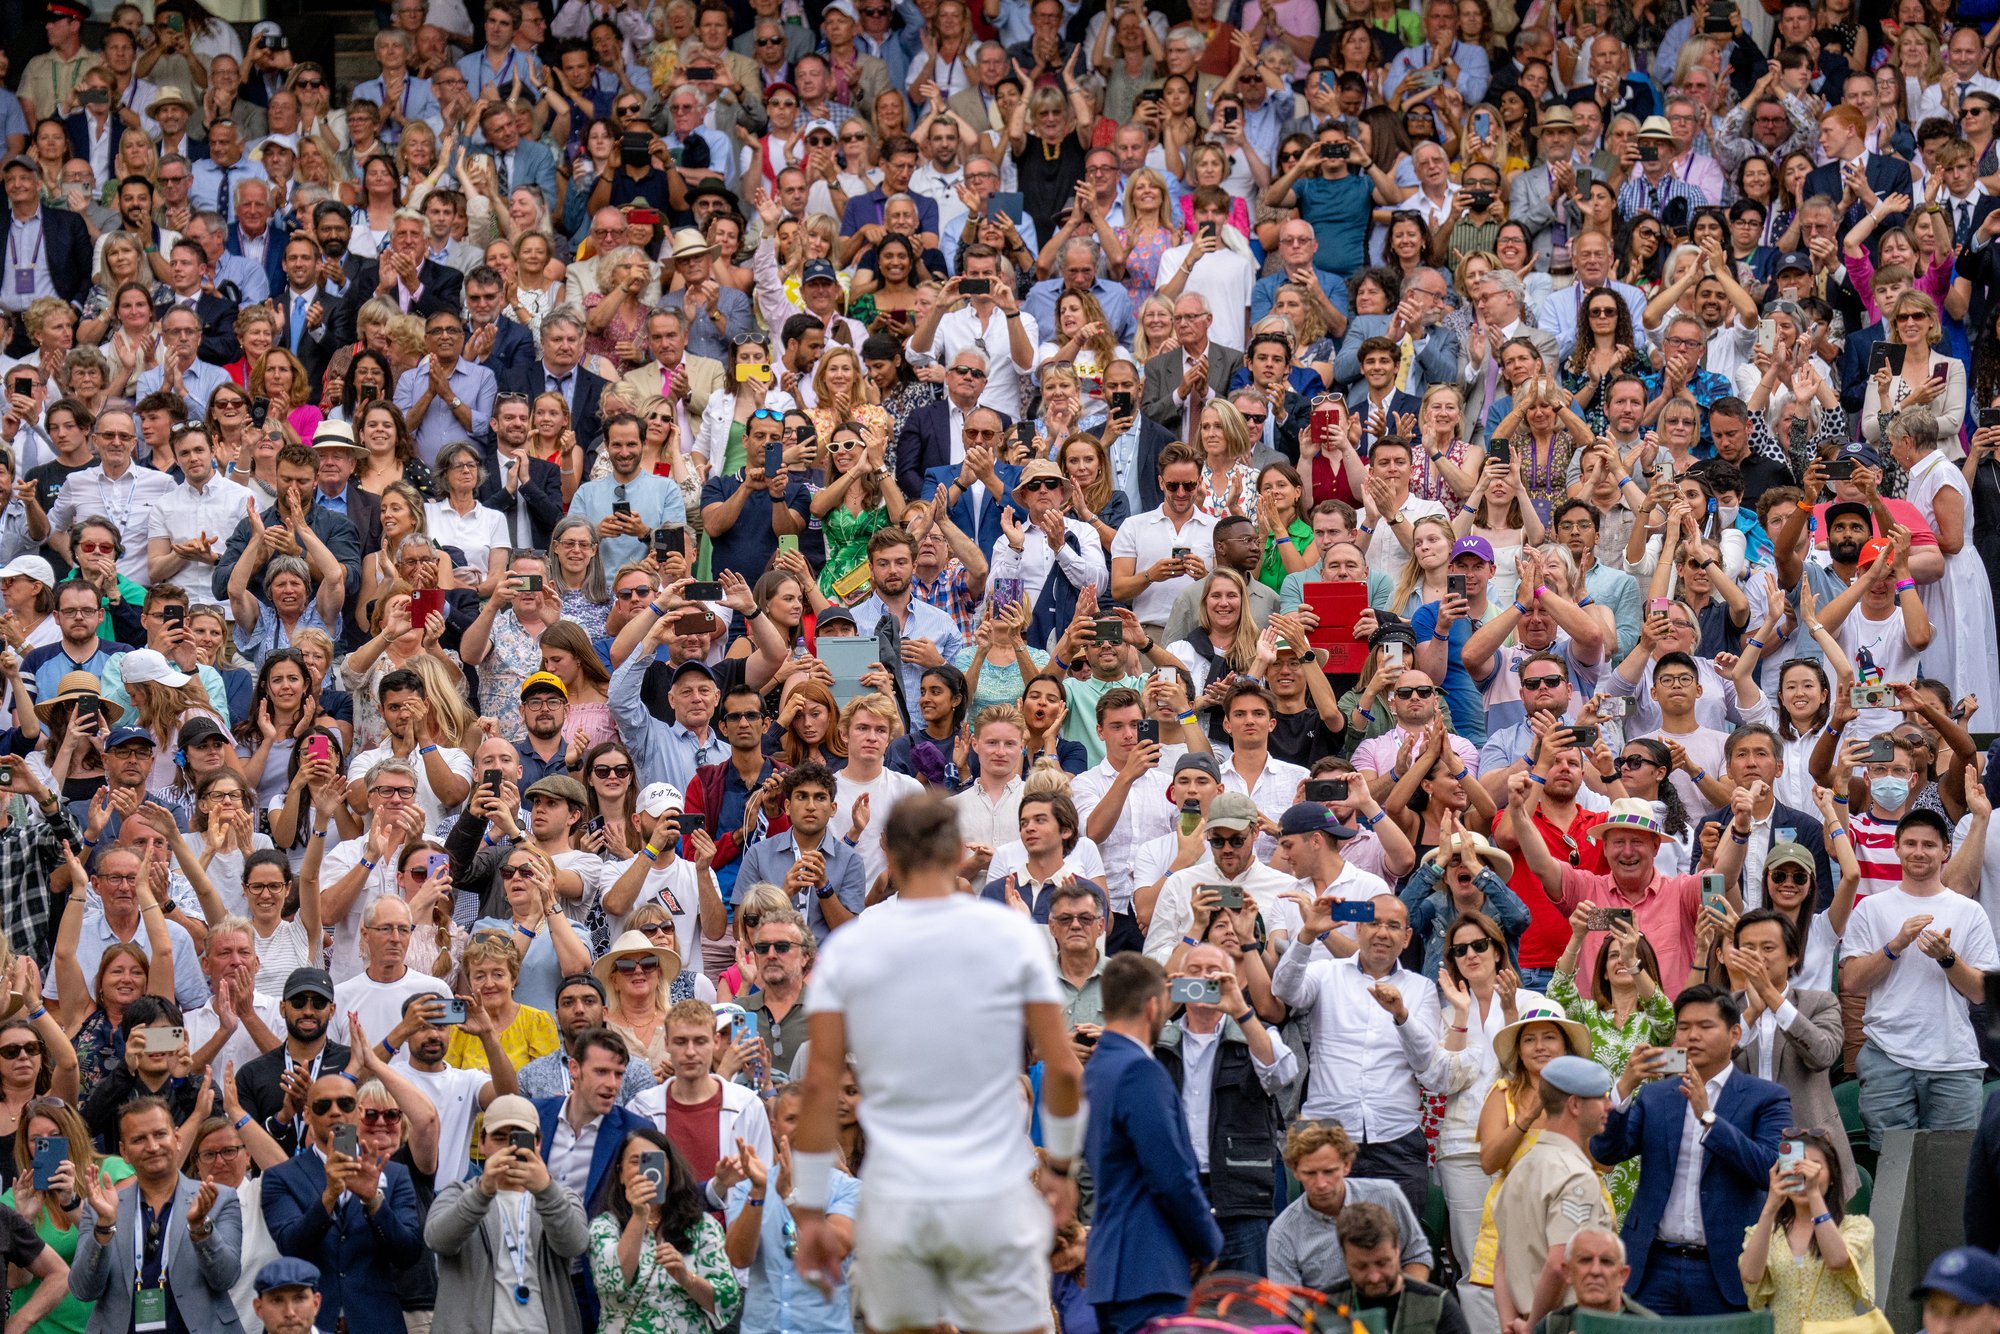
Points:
x=1658, y=606
x=260, y=412
x=1149, y=731
x=1712, y=892
x=1393, y=655
x=1791, y=1158
x=1353, y=910
x=975, y=287
x=86, y=715
x=642, y=217
x=161, y=1039
x=1649, y=152
x=594, y=825
x=437, y=864
x=743, y=1028
x=454, y=1012
x=653, y=1167
x=1882, y=749
x=50, y=1151
x=621, y=507
x=669, y=542
x=176, y=22
x=93, y=97
x=1454, y=585
x=1228, y=115
x=1500, y=451
x=530, y=583
x=1871, y=697
x=1989, y=417
x=424, y=603
x=700, y=73
x=1673, y=1061
x=1840, y=470
x=1585, y=734
x=1190, y=816
x=491, y=778
x=523, y=1140
x=1151, y=95
x=277, y=41
x=1326, y=791
x=1194, y=990
x=1767, y=336
x=1717, y=21
x=1478, y=201
x=1231, y=896
x=1601, y=919
x=6, y=773
x=1108, y=630
x=703, y=591
x=23, y=385
x=347, y=1140
x=1210, y=229
x=319, y=748
x=1482, y=125
x=1341, y=151
x=668, y=830
x=1122, y=403
x=1614, y=706
x=1886, y=354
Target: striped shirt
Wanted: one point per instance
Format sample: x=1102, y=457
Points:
x=1875, y=849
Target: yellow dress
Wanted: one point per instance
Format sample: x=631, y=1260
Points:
x=1486, y=1249
x=1799, y=1288
x=532, y=1034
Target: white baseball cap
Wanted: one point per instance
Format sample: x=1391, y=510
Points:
x=659, y=798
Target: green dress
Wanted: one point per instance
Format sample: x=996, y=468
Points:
x=70, y=1316
x=1611, y=1047
x=652, y=1303
x=1272, y=572
x=847, y=535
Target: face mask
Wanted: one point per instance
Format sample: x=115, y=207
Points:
x=1726, y=515
x=1890, y=793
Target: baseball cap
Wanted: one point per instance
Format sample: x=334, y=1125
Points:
x=1196, y=760
x=695, y=665
x=1793, y=259
x=1312, y=817
x=151, y=665
x=122, y=735
x=818, y=270
x=1965, y=1272
x=1852, y=509
x=1232, y=810
x=308, y=982
x=544, y=681
x=1472, y=545
x=511, y=1111
x=200, y=728
x=30, y=567
x=1864, y=454
x=659, y=798
x=1789, y=854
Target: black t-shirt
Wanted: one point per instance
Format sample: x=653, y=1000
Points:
x=1048, y=175
x=48, y=480
x=1302, y=738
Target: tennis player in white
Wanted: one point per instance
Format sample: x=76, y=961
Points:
x=933, y=994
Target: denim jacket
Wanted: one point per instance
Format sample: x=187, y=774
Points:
x=1432, y=913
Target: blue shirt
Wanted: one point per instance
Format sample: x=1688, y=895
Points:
x=777, y=1297
x=474, y=385
x=46, y=667
x=1468, y=706
x=923, y=622
x=207, y=189
x=1339, y=214
x=415, y=102
x=1111, y=298
x=771, y=860
x=654, y=499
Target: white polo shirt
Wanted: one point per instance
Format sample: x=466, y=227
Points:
x=1150, y=538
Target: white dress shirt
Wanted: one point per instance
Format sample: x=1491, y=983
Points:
x=186, y=512
x=1765, y=1034
x=1198, y=1077
x=1682, y=1220
x=1276, y=788
x=127, y=500
x=1081, y=560
x=570, y=1151
x=1367, y=1078
x=1148, y=813
x=1006, y=382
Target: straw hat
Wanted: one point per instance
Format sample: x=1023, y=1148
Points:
x=74, y=686
x=632, y=943
x=1629, y=813
x=1507, y=1042
x=1468, y=841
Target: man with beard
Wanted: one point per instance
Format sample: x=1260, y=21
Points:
x=135, y=215
x=1154, y=1218
x=458, y=1094
x=544, y=711
x=274, y=1087
x=579, y=1008
x=1371, y=1245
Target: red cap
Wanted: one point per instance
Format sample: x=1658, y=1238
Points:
x=1874, y=547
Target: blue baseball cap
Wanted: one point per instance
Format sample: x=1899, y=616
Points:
x=121, y=735
x=1965, y=1272
x=817, y=270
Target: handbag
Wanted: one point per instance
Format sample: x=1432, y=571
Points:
x=1868, y=1320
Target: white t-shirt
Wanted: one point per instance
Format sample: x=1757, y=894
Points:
x=434, y=810
x=379, y=1004
x=969, y=966
x=1914, y=1015
x=455, y=1094
x=225, y=870
x=884, y=791
x=287, y=949
x=671, y=884
x=1225, y=278
x=344, y=959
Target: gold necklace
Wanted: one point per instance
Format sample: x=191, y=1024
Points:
x=1051, y=154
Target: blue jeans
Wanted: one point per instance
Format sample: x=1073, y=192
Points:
x=1680, y=1285
x=1242, y=1245
x=1537, y=979
x=1124, y=1317
x=1896, y=1097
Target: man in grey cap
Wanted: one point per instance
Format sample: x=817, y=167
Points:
x=288, y=1298
x=1551, y=1194
x=1188, y=898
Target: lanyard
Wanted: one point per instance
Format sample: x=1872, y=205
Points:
x=516, y=1240
x=160, y=1220
x=14, y=241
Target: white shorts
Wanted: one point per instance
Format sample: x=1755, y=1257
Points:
x=980, y=1265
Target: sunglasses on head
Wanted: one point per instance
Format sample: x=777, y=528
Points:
x=344, y=1105
x=768, y=415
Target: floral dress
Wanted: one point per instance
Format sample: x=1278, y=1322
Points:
x=1545, y=484
x=1142, y=262
x=592, y=616
x=513, y=656
x=99, y=1051
x=627, y=326
x=1428, y=483
x=1215, y=491
x=1798, y=1288
x=1611, y=1047
x=652, y=1303
x=847, y=535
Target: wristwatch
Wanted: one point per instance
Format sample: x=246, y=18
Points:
x=1707, y=1119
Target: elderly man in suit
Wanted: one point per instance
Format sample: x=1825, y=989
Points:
x=674, y=372
x=1432, y=355
x=1151, y=1228
x=354, y=1214
x=162, y=1241
x=402, y=273
x=1500, y=301
x=1684, y=1231
x=937, y=435
x=1545, y=194
x=1180, y=380
x=557, y=371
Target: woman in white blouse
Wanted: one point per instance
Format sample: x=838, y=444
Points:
x=749, y=383
x=461, y=521
x=1928, y=377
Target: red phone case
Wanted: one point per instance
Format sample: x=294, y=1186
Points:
x=1338, y=604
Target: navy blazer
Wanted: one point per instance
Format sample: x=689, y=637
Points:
x=612, y=1132
x=78, y=124
x=1853, y=368
x=1810, y=835
x=1153, y=438
x=1750, y=1119
x=513, y=348
x=541, y=493
x=989, y=534
x=1399, y=402
x=531, y=377
x=1886, y=176
x=1151, y=1220
x=925, y=443
x=274, y=252
x=358, y=1253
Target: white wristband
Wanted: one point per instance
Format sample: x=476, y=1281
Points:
x=812, y=1179
x=1062, y=1136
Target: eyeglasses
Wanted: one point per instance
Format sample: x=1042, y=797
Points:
x=446, y=331
x=777, y=947
x=222, y=1153
x=526, y=872
x=1074, y=919
x=610, y=771
x=1224, y=839
x=1415, y=692
x=343, y=1105
x=382, y=1116
x=1465, y=947
x=394, y=793
x=14, y=1051
x=649, y=964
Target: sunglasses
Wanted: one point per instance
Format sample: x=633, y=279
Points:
x=646, y=965
x=1465, y=947
x=1042, y=484
x=311, y=1002
x=610, y=771
x=517, y=872
x=321, y=1106
x=1415, y=692
x=382, y=1116
x=744, y=716
x=14, y=1051
x=1222, y=839
x=1635, y=762
x=1782, y=875
x=1541, y=682
x=972, y=372
x=1178, y=487
x=778, y=947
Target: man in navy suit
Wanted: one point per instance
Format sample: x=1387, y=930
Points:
x=1855, y=349
x=557, y=371
x=355, y=1218
x=94, y=127
x=1843, y=135
x=1756, y=759
x=975, y=490
x=583, y=1134
x=492, y=340
x=256, y=234
x=1151, y=1229
x=927, y=439
x=527, y=490
x=1684, y=1235
x=305, y=308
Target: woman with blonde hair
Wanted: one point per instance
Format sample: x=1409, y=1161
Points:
x=1228, y=484
x=550, y=438
x=394, y=641
x=1082, y=338
x=317, y=166
x=1150, y=231
x=1929, y=378
x=51, y=326
x=404, y=514
x=1919, y=56
x=487, y=975
x=861, y=498
x=160, y=709
x=568, y=655
x=844, y=393
x=451, y=713
x=281, y=377
x=1422, y=578
x=123, y=260
x=1153, y=324
x=1224, y=641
